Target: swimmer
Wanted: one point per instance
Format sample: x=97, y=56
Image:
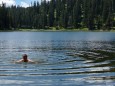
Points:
x=25, y=59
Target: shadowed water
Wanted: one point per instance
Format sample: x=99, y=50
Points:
x=63, y=58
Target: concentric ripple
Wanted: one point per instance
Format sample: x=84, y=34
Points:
x=58, y=62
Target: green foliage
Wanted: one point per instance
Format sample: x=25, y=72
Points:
x=60, y=14
x=4, y=19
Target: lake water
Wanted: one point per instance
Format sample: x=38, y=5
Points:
x=63, y=58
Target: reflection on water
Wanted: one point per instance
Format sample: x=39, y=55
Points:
x=62, y=59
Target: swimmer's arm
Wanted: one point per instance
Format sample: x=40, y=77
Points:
x=19, y=61
x=31, y=61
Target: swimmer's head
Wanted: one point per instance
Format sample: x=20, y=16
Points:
x=25, y=57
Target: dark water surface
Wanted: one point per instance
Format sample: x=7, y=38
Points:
x=64, y=58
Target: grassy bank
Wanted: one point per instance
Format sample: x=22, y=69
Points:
x=53, y=29
x=48, y=30
x=64, y=30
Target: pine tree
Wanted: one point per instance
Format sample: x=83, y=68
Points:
x=51, y=13
x=4, y=19
x=77, y=14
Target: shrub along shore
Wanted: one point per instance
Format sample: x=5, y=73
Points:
x=56, y=30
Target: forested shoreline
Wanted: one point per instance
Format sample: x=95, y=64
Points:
x=67, y=14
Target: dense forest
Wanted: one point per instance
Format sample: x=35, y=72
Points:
x=68, y=14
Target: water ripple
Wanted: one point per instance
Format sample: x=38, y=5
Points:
x=64, y=61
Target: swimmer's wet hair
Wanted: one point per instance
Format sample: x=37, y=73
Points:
x=25, y=55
